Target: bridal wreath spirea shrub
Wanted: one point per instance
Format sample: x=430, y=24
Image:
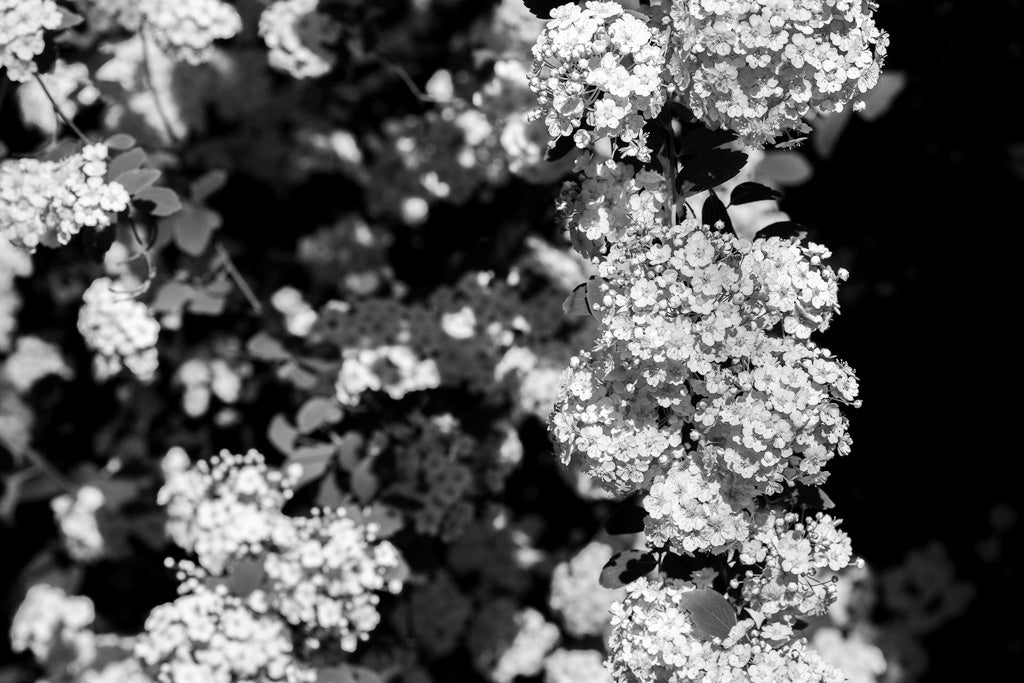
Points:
x=428, y=341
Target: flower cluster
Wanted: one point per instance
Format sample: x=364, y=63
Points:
x=33, y=359
x=22, y=24
x=53, y=626
x=120, y=330
x=300, y=37
x=185, y=29
x=599, y=71
x=319, y=574
x=76, y=514
x=575, y=594
x=210, y=635
x=757, y=67
x=49, y=202
x=654, y=639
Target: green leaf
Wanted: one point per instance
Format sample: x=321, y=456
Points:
x=317, y=412
x=348, y=673
x=126, y=161
x=542, y=8
x=120, y=142
x=314, y=461
x=165, y=201
x=626, y=567
x=578, y=303
x=68, y=19
x=711, y=614
x=207, y=185
x=138, y=179
x=785, y=168
x=389, y=521
x=363, y=481
x=171, y=297
x=329, y=496
x=264, y=347
x=701, y=139
x=192, y=228
x=211, y=299
x=245, y=577
x=282, y=434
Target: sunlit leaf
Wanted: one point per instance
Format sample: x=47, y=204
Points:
x=711, y=614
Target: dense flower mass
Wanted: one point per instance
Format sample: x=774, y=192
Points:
x=600, y=70
x=757, y=67
x=120, y=330
x=347, y=298
x=49, y=202
x=22, y=24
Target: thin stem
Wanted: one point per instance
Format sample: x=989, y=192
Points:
x=37, y=459
x=165, y=120
x=672, y=168
x=240, y=282
x=56, y=109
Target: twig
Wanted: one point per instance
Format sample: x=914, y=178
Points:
x=84, y=138
x=240, y=282
x=37, y=459
x=165, y=120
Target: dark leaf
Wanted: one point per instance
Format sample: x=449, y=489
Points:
x=165, y=201
x=124, y=162
x=626, y=567
x=682, y=566
x=211, y=299
x=813, y=498
x=714, y=211
x=711, y=614
x=626, y=518
x=363, y=482
x=780, y=229
x=120, y=142
x=709, y=169
x=700, y=140
x=542, y=8
x=139, y=179
x=800, y=625
x=745, y=193
x=560, y=149
x=576, y=304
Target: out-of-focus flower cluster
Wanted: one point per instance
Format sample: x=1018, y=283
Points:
x=119, y=329
x=299, y=37
x=184, y=29
x=22, y=24
x=49, y=202
x=757, y=68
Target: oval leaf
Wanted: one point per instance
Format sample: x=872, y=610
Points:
x=127, y=161
x=709, y=169
x=165, y=201
x=714, y=213
x=265, y=347
x=711, y=614
x=139, y=179
x=316, y=413
x=207, y=185
x=745, y=193
x=120, y=142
